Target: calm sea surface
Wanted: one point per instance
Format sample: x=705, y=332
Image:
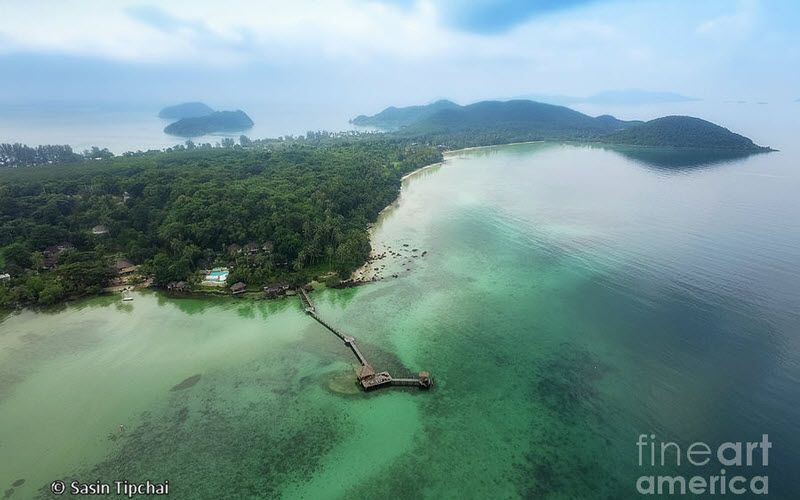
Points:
x=122, y=127
x=571, y=298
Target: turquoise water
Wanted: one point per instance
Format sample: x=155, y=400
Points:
x=217, y=276
x=569, y=299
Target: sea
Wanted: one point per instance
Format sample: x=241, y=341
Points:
x=576, y=306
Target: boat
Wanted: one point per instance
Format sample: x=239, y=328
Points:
x=127, y=296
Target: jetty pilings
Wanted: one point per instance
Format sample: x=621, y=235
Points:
x=366, y=375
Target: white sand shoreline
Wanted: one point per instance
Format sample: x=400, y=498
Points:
x=367, y=273
x=454, y=152
x=472, y=148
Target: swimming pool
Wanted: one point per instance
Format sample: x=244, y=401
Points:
x=217, y=276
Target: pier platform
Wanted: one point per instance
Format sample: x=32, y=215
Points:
x=366, y=375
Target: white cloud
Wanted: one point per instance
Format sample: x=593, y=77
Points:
x=348, y=46
x=275, y=32
x=736, y=25
x=235, y=31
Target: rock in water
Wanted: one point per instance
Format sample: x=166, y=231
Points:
x=189, y=382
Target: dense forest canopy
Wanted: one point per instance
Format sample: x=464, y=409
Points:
x=20, y=155
x=176, y=212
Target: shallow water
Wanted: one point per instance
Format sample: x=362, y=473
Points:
x=571, y=298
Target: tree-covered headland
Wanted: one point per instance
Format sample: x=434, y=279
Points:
x=274, y=211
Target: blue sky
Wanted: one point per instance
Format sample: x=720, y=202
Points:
x=371, y=53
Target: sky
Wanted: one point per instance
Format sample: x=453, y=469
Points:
x=367, y=54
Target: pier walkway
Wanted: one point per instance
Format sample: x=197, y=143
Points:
x=366, y=375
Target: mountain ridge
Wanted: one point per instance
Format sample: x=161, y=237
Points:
x=485, y=122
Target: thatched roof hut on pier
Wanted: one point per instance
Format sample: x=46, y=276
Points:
x=364, y=372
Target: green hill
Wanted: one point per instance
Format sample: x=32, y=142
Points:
x=499, y=122
x=684, y=132
x=393, y=118
x=185, y=110
x=546, y=119
x=218, y=121
x=531, y=116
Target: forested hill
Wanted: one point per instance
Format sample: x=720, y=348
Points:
x=500, y=122
x=520, y=115
x=175, y=212
x=546, y=119
x=393, y=118
x=218, y=121
x=683, y=131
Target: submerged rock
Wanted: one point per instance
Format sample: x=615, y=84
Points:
x=189, y=382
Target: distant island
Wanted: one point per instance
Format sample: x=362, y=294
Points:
x=631, y=97
x=217, y=121
x=635, y=97
x=501, y=122
x=185, y=110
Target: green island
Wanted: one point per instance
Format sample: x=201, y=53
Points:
x=185, y=110
x=217, y=121
x=499, y=122
x=273, y=213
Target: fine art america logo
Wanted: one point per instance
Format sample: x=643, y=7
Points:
x=731, y=460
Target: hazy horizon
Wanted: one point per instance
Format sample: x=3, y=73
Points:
x=366, y=55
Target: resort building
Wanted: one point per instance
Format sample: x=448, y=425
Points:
x=178, y=286
x=252, y=248
x=276, y=290
x=124, y=267
x=52, y=254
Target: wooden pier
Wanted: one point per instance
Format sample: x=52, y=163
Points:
x=366, y=375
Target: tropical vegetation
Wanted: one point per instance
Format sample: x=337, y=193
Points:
x=302, y=204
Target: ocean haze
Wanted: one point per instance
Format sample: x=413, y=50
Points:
x=374, y=54
x=132, y=126
x=633, y=97
x=122, y=127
